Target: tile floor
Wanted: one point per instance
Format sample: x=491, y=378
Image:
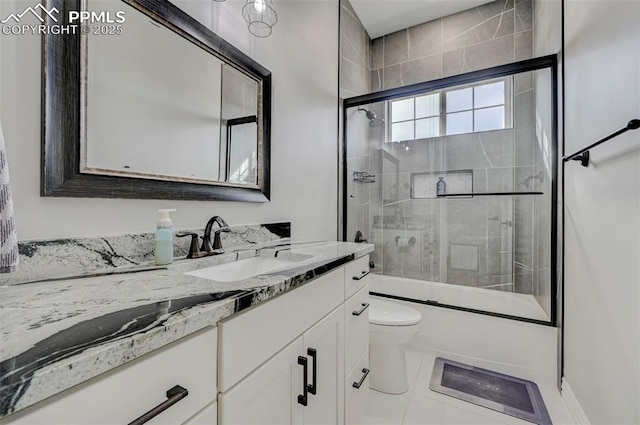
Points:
x=421, y=406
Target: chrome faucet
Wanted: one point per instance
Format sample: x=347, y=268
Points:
x=217, y=243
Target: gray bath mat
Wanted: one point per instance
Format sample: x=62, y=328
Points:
x=507, y=394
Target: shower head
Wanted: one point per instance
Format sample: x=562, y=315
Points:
x=374, y=121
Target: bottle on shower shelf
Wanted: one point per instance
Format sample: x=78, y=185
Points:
x=441, y=187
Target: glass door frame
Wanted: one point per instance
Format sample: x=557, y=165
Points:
x=543, y=62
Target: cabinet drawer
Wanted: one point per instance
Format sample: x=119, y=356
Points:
x=250, y=338
x=356, y=326
x=354, y=275
x=356, y=399
x=129, y=391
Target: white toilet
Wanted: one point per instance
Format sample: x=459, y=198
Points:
x=390, y=325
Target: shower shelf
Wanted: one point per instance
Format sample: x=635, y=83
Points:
x=454, y=195
x=363, y=177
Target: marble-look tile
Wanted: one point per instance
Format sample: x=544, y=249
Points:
x=377, y=53
x=425, y=39
x=495, y=8
x=524, y=128
x=464, y=39
x=392, y=77
x=353, y=77
x=376, y=80
x=506, y=24
x=354, y=31
x=453, y=62
x=522, y=82
x=524, y=15
x=421, y=70
x=489, y=28
x=396, y=48
x=497, y=147
x=464, y=151
x=489, y=53
x=453, y=26
x=524, y=45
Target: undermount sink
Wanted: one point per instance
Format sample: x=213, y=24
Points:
x=241, y=269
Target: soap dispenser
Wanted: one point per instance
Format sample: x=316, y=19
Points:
x=164, y=239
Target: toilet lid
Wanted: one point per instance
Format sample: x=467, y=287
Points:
x=388, y=313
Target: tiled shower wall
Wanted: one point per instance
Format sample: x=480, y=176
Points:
x=493, y=34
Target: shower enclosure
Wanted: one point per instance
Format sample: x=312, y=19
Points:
x=454, y=181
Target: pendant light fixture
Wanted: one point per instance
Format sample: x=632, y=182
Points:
x=260, y=17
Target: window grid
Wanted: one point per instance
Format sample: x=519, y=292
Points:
x=443, y=114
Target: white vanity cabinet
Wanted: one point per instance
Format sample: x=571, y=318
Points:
x=321, y=328
x=278, y=393
x=127, y=392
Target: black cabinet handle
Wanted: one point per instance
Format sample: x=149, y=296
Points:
x=364, y=274
x=174, y=395
x=364, y=376
x=359, y=312
x=314, y=357
x=302, y=398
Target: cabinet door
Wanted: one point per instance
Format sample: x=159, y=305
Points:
x=269, y=395
x=324, y=347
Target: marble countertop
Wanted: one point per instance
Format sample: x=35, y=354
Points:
x=57, y=334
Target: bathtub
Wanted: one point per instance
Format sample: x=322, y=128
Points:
x=525, y=350
x=501, y=302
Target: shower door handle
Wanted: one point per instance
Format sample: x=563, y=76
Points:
x=363, y=275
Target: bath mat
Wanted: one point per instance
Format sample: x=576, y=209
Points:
x=503, y=393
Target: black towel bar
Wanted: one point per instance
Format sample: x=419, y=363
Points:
x=583, y=155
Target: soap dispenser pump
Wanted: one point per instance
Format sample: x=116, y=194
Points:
x=164, y=238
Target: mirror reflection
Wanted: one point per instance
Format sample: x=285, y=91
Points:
x=161, y=107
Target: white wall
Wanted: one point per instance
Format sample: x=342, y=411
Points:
x=302, y=54
x=602, y=209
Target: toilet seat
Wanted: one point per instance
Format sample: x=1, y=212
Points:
x=385, y=313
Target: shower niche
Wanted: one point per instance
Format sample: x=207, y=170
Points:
x=461, y=189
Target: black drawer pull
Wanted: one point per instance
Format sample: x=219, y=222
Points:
x=302, y=398
x=359, y=312
x=364, y=274
x=174, y=395
x=364, y=376
x=314, y=374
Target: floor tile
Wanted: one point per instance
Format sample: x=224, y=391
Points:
x=426, y=411
x=386, y=408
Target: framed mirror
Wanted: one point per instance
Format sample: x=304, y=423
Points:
x=155, y=107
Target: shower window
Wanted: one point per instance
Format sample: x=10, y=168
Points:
x=482, y=107
x=468, y=109
x=415, y=118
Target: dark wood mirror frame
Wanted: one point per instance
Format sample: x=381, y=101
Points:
x=62, y=112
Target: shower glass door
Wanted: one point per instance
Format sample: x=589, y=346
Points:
x=454, y=184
